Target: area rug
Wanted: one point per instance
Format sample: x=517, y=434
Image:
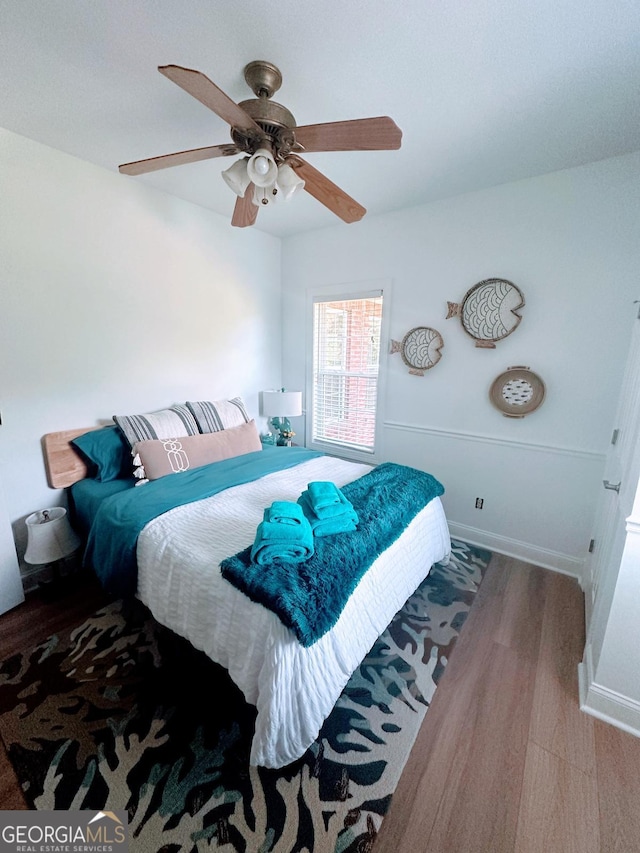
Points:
x=121, y=714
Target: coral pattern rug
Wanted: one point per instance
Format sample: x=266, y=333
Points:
x=121, y=714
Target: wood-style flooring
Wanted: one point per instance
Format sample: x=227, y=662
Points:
x=505, y=762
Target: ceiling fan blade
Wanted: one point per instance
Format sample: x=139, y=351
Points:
x=245, y=211
x=362, y=134
x=326, y=192
x=199, y=86
x=140, y=167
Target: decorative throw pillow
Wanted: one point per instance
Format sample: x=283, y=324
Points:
x=158, y=457
x=221, y=414
x=107, y=454
x=173, y=422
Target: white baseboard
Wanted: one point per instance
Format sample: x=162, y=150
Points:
x=543, y=557
x=607, y=705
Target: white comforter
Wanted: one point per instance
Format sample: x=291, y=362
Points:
x=294, y=688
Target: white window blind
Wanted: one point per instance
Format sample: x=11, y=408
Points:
x=346, y=355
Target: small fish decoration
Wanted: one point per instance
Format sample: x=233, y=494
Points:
x=421, y=349
x=489, y=311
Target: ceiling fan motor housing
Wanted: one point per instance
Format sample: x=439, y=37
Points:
x=274, y=120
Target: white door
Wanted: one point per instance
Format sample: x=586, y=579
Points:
x=615, y=505
x=11, y=591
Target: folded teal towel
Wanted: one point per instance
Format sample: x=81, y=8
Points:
x=323, y=493
x=276, y=541
x=285, y=512
x=327, y=500
x=343, y=523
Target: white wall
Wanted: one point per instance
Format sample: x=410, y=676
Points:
x=11, y=588
x=115, y=299
x=569, y=241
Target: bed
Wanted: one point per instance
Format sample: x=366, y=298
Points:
x=178, y=552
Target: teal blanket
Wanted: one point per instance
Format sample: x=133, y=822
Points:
x=309, y=597
x=113, y=536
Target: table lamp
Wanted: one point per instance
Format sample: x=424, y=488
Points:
x=279, y=406
x=50, y=538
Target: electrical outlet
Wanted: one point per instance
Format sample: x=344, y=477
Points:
x=479, y=503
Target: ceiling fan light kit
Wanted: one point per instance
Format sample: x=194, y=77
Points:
x=262, y=168
x=288, y=182
x=237, y=178
x=267, y=134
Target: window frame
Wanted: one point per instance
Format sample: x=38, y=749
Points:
x=335, y=293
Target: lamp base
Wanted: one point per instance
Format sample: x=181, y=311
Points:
x=62, y=580
x=284, y=433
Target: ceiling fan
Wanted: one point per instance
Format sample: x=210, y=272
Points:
x=267, y=134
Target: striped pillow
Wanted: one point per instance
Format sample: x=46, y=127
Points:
x=174, y=422
x=221, y=414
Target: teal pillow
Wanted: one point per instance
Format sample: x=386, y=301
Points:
x=106, y=453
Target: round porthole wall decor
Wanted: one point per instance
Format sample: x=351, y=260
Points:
x=517, y=392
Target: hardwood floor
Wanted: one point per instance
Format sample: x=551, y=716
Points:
x=505, y=762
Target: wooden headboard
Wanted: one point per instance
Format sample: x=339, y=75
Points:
x=62, y=461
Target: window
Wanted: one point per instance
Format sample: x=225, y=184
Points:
x=345, y=373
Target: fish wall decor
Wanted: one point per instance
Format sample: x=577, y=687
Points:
x=421, y=349
x=489, y=311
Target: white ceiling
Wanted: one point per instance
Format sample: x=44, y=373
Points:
x=485, y=91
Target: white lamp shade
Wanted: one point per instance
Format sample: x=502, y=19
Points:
x=282, y=404
x=237, y=178
x=49, y=536
x=288, y=182
x=262, y=169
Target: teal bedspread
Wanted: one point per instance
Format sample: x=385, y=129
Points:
x=309, y=597
x=112, y=539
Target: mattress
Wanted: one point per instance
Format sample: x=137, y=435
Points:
x=293, y=688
